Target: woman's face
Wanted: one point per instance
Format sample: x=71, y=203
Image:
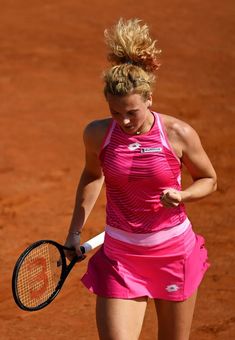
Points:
x=130, y=112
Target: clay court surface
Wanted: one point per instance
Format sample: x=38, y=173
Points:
x=51, y=60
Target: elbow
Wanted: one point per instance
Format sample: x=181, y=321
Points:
x=214, y=188
x=214, y=184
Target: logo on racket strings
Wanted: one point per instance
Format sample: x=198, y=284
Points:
x=38, y=283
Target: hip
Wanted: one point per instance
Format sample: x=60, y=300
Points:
x=175, y=241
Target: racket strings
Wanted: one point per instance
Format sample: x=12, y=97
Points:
x=39, y=275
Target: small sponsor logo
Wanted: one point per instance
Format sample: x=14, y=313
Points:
x=144, y=150
x=133, y=146
x=172, y=288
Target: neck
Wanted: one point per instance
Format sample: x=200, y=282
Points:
x=147, y=125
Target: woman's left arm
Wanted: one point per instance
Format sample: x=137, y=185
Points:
x=199, y=166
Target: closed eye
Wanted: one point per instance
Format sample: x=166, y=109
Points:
x=129, y=113
x=132, y=112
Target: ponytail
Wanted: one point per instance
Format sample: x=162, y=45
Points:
x=134, y=59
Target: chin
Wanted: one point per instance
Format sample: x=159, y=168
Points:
x=130, y=131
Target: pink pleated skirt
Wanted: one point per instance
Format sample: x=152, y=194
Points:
x=171, y=270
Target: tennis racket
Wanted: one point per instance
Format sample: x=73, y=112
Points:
x=41, y=271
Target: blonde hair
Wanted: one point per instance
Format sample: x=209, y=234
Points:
x=134, y=57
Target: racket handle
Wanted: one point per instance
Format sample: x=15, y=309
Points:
x=92, y=243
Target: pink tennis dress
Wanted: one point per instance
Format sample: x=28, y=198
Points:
x=149, y=250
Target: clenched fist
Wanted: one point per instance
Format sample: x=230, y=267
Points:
x=171, y=198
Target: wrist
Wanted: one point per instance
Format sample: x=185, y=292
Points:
x=75, y=232
x=185, y=196
x=73, y=238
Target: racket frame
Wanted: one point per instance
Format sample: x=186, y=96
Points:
x=64, y=272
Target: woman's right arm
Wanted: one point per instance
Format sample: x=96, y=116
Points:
x=89, y=186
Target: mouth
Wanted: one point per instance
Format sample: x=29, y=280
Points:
x=128, y=127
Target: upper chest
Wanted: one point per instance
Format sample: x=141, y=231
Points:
x=143, y=158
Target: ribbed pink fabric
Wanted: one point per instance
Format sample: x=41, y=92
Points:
x=137, y=169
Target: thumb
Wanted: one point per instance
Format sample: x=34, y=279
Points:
x=78, y=251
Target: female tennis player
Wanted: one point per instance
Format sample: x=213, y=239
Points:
x=150, y=249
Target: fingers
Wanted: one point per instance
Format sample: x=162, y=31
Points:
x=70, y=254
x=170, y=198
x=73, y=242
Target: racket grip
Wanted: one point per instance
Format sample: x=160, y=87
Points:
x=92, y=243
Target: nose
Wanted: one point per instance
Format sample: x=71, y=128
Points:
x=126, y=121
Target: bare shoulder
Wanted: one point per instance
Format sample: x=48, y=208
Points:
x=95, y=132
x=178, y=130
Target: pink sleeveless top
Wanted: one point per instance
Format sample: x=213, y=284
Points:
x=137, y=168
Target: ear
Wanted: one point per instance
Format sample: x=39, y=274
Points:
x=149, y=101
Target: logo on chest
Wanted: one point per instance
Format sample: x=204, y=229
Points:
x=135, y=146
x=151, y=150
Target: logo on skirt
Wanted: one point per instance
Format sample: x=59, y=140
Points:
x=172, y=288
